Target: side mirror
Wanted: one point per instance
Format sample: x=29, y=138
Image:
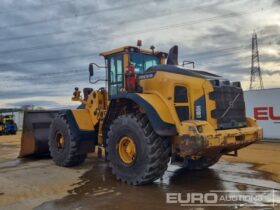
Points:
x=90, y=69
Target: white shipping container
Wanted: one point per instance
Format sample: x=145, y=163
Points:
x=264, y=106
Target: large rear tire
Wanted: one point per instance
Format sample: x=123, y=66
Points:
x=201, y=163
x=136, y=154
x=62, y=148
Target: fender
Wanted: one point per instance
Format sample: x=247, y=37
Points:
x=157, y=112
x=86, y=138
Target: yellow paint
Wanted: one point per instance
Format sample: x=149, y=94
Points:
x=158, y=104
x=162, y=60
x=127, y=150
x=95, y=111
x=159, y=93
x=125, y=65
x=123, y=49
x=162, y=85
x=1, y=128
x=83, y=119
x=60, y=142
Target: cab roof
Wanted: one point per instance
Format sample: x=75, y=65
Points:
x=133, y=49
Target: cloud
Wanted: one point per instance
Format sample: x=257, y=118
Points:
x=34, y=103
x=217, y=36
x=276, y=2
x=270, y=73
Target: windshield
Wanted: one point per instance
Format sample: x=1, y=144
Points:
x=142, y=61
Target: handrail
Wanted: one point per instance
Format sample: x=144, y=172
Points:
x=188, y=62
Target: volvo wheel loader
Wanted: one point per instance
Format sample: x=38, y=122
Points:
x=151, y=112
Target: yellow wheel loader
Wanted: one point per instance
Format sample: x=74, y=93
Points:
x=151, y=112
x=2, y=126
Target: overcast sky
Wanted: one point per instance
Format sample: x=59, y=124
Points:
x=45, y=46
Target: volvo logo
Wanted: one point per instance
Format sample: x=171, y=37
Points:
x=231, y=104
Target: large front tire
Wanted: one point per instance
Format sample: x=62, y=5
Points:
x=63, y=148
x=136, y=154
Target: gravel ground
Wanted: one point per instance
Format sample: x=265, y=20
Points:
x=40, y=184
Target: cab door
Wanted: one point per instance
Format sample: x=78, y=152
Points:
x=115, y=74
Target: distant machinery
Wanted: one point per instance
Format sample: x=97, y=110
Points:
x=17, y=114
x=256, y=75
x=7, y=124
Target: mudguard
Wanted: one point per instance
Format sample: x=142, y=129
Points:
x=157, y=112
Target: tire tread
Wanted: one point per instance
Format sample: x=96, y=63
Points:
x=158, y=150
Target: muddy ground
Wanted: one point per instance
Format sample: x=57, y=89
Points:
x=40, y=184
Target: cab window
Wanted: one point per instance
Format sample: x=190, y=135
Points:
x=142, y=61
x=115, y=74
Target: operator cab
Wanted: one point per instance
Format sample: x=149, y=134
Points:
x=124, y=64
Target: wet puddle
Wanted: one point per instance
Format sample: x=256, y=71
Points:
x=98, y=189
x=10, y=163
x=4, y=164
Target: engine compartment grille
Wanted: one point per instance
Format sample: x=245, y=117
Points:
x=230, y=107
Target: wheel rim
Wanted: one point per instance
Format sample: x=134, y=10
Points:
x=59, y=139
x=127, y=150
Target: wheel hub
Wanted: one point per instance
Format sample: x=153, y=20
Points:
x=127, y=150
x=59, y=139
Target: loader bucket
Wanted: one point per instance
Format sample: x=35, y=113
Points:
x=34, y=139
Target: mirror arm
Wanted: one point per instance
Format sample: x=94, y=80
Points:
x=98, y=66
x=96, y=81
x=90, y=76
